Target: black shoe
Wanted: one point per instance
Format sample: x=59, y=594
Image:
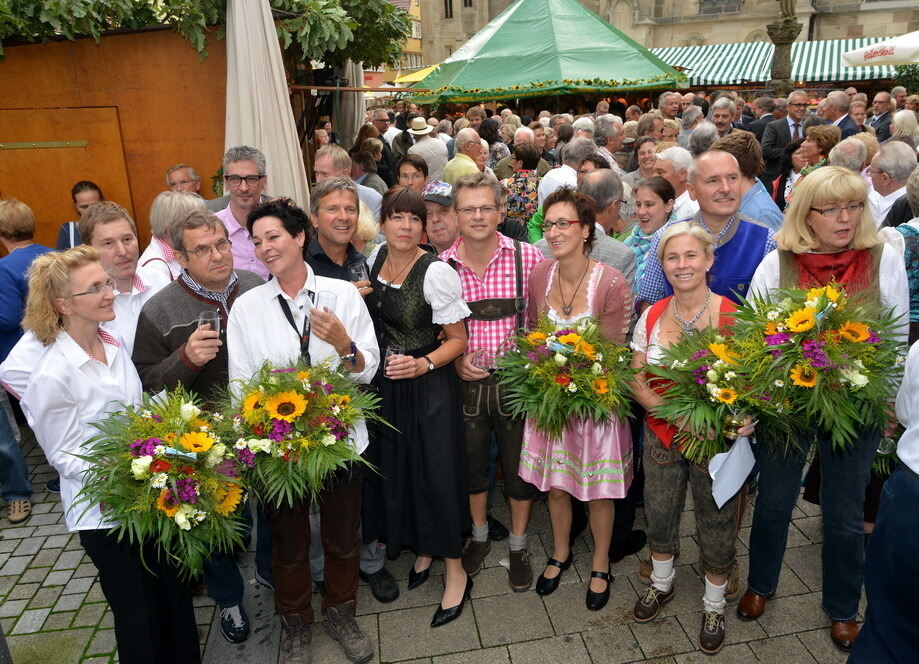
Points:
x=596, y=601
x=416, y=579
x=318, y=587
x=547, y=586
x=234, y=623
x=633, y=543
x=54, y=486
x=265, y=578
x=382, y=585
x=442, y=616
x=497, y=531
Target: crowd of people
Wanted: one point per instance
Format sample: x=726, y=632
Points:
x=433, y=241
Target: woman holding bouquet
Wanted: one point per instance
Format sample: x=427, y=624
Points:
x=590, y=461
x=420, y=497
x=84, y=375
x=686, y=255
x=828, y=235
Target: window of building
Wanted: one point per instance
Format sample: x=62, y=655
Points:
x=448, y=8
x=467, y=3
x=719, y=6
x=416, y=30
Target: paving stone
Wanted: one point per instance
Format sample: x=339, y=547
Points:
x=15, y=565
x=69, y=602
x=21, y=532
x=811, y=527
x=493, y=581
x=31, y=621
x=59, y=541
x=661, y=637
x=35, y=575
x=407, y=634
x=69, y=560
x=60, y=620
x=612, y=645
x=43, y=519
x=103, y=642
x=67, y=646
x=30, y=546
x=58, y=578
x=736, y=654
x=89, y=614
x=569, y=649
x=85, y=570
x=22, y=590
x=12, y=608
x=46, y=597
x=511, y=618
x=8, y=545
x=78, y=586
x=52, y=529
x=804, y=561
x=484, y=656
x=821, y=647
x=95, y=593
x=569, y=614
x=781, y=650
x=108, y=620
x=41, y=508
x=428, y=594
x=787, y=615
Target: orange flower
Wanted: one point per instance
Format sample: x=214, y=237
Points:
x=722, y=353
x=536, y=338
x=855, y=332
x=166, y=503
x=771, y=328
x=600, y=385
x=586, y=349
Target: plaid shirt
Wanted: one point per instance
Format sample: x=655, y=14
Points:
x=500, y=281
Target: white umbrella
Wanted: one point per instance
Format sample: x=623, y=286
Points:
x=258, y=101
x=902, y=50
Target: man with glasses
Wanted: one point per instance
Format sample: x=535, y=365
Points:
x=494, y=272
x=245, y=180
x=881, y=118
x=388, y=132
x=172, y=347
x=183, y=178
x=780, y=133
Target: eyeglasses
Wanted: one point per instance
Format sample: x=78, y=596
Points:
x=800, y=105
x=484, y=209
x=386, y=120
x=236, y=180
x=205, y=251
x=95, y=290
x=833, y=211
x=560, y=224
x=180, y=183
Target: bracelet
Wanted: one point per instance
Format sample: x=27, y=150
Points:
x=350, y=357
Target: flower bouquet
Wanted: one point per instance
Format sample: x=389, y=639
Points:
x=818, y=357
x=701, y=381
x=162, y=476
x=556, y=375
x=292, y=428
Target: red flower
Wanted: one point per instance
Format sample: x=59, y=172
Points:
x=160, y=466
x=186, y=470
x=259, y=429
x=562, y=379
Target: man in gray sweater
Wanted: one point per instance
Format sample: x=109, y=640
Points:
x=171, y=347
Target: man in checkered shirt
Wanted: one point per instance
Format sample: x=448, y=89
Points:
x=494, y=271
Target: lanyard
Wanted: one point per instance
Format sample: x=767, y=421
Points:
x=305, y=333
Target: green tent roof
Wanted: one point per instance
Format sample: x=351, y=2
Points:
x=545, y=47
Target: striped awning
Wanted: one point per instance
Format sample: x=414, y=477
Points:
x=751, y=62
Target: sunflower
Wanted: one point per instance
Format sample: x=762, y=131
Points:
x=856, y=332
x=170, y=437
x=195, y=441
x=570, y=338
x=285, y=406
x=831, y=293
x=802, y=320
x=167, y=503
x=303, y=375
x=252, y=402
x=722, y=353
x=804, y=375
x=586, y=349
x=228, y=498
x=600, y=385
x=536, y=338
x=727, y=396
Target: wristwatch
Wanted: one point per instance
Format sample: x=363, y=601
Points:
x=431, y=366
x=352, y=356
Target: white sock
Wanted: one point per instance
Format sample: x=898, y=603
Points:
x=663, y=574
x=517, y=542
x=714, y=596
x=480, y=533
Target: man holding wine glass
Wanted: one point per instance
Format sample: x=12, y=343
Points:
x=179, y=339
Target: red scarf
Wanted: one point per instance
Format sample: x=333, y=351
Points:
x=851, y=268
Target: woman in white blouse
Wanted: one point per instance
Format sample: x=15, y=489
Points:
x=84, y=375
x=420, y=500
x=279, y=322
x=828, y=235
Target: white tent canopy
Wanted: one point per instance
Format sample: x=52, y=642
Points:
x=258, y=103
x=902, y=50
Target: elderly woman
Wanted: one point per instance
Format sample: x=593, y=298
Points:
x=158, y=261
x=828, y=234
x=818, y=141
x=279, y=322
x=905, y=127
x=567, y=289
x=84, y=375
x=420, y=500
x=686, y=255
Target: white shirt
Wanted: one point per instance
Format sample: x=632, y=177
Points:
x=880, y=205
x=153, y=264
x=557, y=178
x=391, y=133
x=69, y=391
x=258, y=331
x=908, y=411
x=434, y=153
x=127, y=307
x=684, y=206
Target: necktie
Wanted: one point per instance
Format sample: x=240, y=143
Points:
x=797, y=133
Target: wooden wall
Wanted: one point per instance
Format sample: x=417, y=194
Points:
x=168, y=105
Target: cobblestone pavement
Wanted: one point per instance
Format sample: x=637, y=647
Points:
x=53, y=610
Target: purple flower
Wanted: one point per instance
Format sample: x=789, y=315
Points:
x=279, y=429
x=157, y=418
x=532, y=357
x=813, y=351
x=143, y=446
x=278, y=371
x=776, y=353
x=777, y=339
x=227, y=467
x=699, y=354
x=246, y=456
x=873, y=338
x=188, y=490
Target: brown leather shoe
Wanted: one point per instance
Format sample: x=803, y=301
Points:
x=731, y=593
x=843, y=634
x=751, y=606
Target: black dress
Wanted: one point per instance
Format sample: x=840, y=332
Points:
x=418, y=499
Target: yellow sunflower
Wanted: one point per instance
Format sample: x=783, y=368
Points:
x=727, y=396
x=831, y=293
x=196, y=441
x=170, y=437
x=303, y=375
x=802, y=320
x=166, y=504
x=536, y=338
x=856, y=332
x=228, y=498
x=804, y=375
x=285, y=406
x=722, y=353
x=570, y=338
x=586, y=349
x=252, y=402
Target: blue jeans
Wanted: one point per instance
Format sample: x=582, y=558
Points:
x=14, y=474
x=843, y=478
x=891, y=632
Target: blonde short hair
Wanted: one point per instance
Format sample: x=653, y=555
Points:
x=367, y=226
x=170, y=207
x=821, y=187
x=49, y=279
x=686, y=228
x=871, y=144
x=17, y=222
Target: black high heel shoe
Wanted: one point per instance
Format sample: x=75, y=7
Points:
x=442, y=616
x=416, y=579
x=547, y=586
x=596, y=601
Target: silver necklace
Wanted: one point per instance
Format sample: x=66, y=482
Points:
x=717, y=238
x=689, y=327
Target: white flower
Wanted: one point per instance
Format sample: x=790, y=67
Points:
x=215, y=454
x=560, y=359
x=596, y=369
x=240, y=444
x=772, y=315
x=200, y=516
x=336, y=409
x=779, y=383
x=259, y=445
x=217, y=417
x=159, y=481
x=189, y=411
x=237, y=425
x=718, y=363
x=203, y=427
x=599, y=357
x=572, y=387
x=183, y=516
x=857, y=379
x=712, y=375
x=730, y=375
x=621, y=358
x=527, y=365
x=273, y=380
x=713, y=389
x=811, y=303
x=141, y=467
x=328, y=440
x=146, y=414
x=159, y=450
